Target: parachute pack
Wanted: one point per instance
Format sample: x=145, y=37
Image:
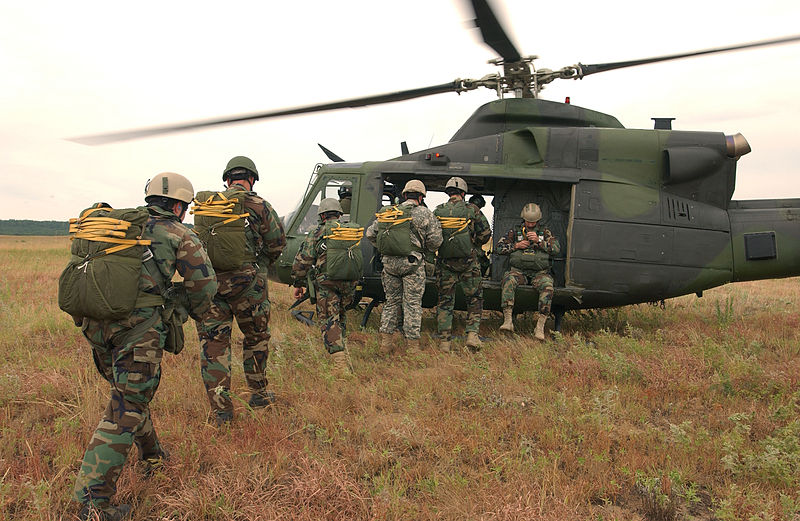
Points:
x=456, y=221
x=344, y=259
x=220, y=222
x=101, y=280
x=529, y=259
x=394, y=231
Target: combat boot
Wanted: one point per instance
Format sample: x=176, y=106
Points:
x=539, y=333
x=92, y=513
x=261, y=399
x=153, y=464
x=474, y=341
x=386, y=344
x=412, y=346
x=341, y=364
x=223, y=417
x=445, y=344
x=508, y=320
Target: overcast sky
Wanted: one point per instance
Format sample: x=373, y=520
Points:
x=85, y=67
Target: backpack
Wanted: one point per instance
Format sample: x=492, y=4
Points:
x=394, y=231
x=344, y=259
x=456, y=221
x=220, y=222
x=101, y=280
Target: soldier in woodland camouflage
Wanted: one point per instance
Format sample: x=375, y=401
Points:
x=242, y=294
x=333, y=296
x=530, y=247
x=128, y=352
x=452, y=270
x=403, y=277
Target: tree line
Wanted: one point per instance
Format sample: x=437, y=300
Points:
x=28, y=227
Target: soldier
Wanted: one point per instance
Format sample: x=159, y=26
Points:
x=333, y=293
x=483, y=255
x=530, y=247
x=465, y=230
x=243, y=294
x=416, y=231
x=128, y=352
x=345, y=193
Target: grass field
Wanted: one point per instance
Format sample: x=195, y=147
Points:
x=687, y=412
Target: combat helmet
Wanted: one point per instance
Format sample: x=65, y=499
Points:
x=329, y=204
x=478, y=200
x=531, y=212
x=415, y=185
x=240, y=163
x=345, y=190
x=457, y=183
x=170, y=184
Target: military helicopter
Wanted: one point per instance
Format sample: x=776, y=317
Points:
x=643, y=215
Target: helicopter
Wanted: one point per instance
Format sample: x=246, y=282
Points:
x=643, y=214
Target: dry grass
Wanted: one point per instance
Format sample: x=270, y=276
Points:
x=639, y=413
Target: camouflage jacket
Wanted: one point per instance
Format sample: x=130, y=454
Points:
x=480, y=233
x=265, y=235
x=309, y=255
x=547, y=243
x=427, y=236
x=176, y=248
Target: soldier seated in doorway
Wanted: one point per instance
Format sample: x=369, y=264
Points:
x=531, y=248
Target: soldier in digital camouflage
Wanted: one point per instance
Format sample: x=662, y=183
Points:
x=403, y=276
x=332, y=296
x=243, y=294
x=530, y=247
x=465, y=230
x=128, y=352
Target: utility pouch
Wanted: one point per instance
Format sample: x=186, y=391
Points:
x=174, y=315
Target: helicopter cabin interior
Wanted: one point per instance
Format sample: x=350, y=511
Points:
x=504, y=197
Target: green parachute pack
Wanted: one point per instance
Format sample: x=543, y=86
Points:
x=342, y=244
x=394, y=231
x=456, y=221
x=529, y=259
x=101, y=280
x=220, y=220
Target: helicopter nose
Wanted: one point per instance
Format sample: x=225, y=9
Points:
x=737, y=146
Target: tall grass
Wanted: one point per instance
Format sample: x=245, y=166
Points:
x=690, y=412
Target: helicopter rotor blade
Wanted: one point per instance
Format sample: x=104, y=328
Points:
x=493, y=33
x=585, y=70
x=111, y=137
x=331, y=155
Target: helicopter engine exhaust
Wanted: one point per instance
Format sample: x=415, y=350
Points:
x=737, y=146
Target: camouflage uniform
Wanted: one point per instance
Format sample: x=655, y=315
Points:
x=404, y=281
x=466, y=271
x=332, y=295
x=242, y=294
x=541, y=280
x=128, y=354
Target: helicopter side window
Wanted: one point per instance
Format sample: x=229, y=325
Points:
x=328, y=188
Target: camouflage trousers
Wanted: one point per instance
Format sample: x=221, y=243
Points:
x=403, y=291
x=470, y=280
x=128, y=355
x=244, y=295
x=541, y=281
x=332, y=297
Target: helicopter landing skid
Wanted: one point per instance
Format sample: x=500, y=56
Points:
x=306, y=317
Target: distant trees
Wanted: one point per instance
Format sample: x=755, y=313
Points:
x=27, y=227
